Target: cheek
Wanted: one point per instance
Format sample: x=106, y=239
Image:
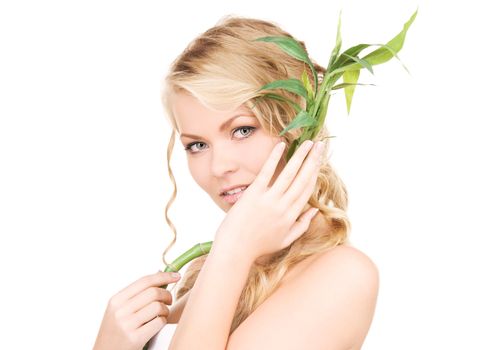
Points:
x=253, y=158
x=256, y=155
x=199, y=173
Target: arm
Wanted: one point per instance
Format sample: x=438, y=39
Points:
x=176, y=311
x=207, y=318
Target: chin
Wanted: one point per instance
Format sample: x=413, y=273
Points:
x=222, y=204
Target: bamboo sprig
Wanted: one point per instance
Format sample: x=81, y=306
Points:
x=346, y=65
x=194, y=252
x=311, y=119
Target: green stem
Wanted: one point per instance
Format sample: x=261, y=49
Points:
x=194, y=252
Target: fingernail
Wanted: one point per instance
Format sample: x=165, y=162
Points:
x=314, y=212
x=175, y=275
x=319, y=147
x=308, y=143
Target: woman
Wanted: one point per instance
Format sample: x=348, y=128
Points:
x=281, y=273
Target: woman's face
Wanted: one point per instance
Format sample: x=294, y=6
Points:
x=223, y=149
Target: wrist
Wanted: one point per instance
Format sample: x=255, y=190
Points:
x=231, y=253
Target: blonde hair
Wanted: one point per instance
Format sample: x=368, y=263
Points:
x=223, y=68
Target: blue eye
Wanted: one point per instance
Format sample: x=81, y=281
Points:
x=189, y=146
x=246, y=128
x=246, y=135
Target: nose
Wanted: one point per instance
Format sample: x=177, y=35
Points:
x=225, y=160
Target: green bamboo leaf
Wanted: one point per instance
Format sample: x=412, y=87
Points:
x=343, y=85
x=283, y=99
x=294, y=49
x=302, y=119
x=384, y=54
x=347, y=65
x=362, y=62
x=385, y=51
x=392, y=52
x=328, y=137
x=350, y=77
x=289, y=45
x=307, y=86
x=344, y=58
x=338, y=44
x=292, y=85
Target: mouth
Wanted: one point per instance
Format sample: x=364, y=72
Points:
x=233, y=195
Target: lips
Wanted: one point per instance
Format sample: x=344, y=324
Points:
x=230, y=189
x=234, y=195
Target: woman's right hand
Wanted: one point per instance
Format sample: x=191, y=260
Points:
x=136, y=313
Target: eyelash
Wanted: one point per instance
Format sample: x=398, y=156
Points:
x=252, y=128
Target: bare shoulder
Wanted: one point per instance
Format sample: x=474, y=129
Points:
x=343, y=264
x=328, y=303
x=348, y=284
x=347, y=262
x=349, y=274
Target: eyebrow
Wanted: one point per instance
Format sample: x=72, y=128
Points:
x=222, y=127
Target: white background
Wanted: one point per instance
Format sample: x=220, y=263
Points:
x=83, y=179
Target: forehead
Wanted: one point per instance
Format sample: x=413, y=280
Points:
x=189, y=111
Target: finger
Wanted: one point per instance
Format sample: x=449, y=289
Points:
x=305, y=180
x=147, y=314
x=268, y=169
x=299, y=227
x=158, y=279
x=147, y=331
x=291, y=169
x=144, y=298
x=299, y=204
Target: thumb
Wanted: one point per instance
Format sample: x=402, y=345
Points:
x=174, y=277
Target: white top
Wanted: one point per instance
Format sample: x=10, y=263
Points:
x=162, y=339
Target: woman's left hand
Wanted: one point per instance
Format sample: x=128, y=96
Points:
x=267, y=219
